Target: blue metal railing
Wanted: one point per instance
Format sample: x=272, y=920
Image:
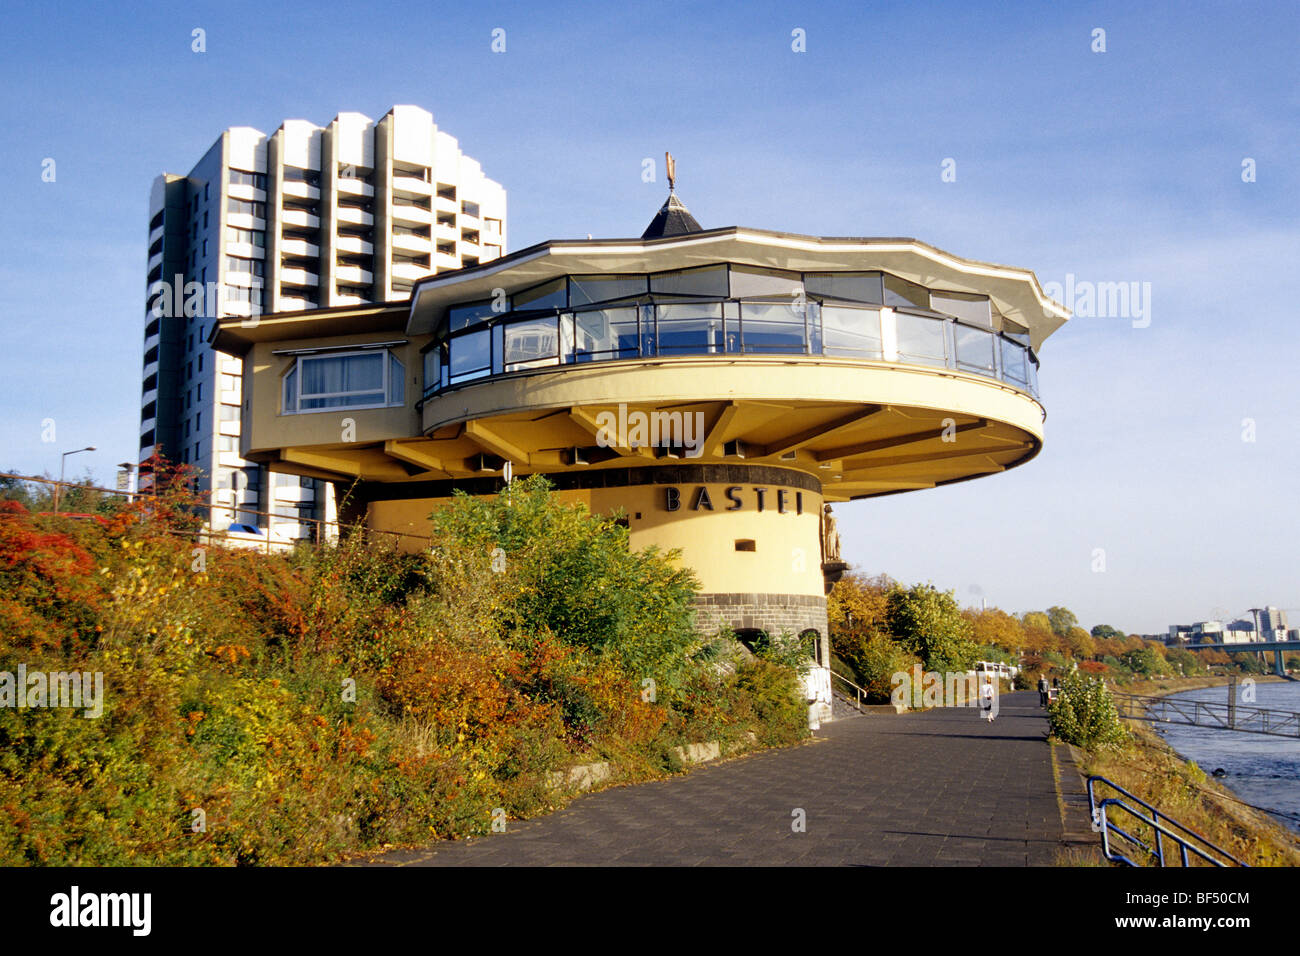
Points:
x=1162, y=826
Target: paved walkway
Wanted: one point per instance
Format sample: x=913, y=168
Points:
x=936, y=788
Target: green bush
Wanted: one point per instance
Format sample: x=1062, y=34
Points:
x=773, y=696
x=1084, y=714
x=573, y=575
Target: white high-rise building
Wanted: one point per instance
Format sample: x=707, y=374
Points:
x=310, y=217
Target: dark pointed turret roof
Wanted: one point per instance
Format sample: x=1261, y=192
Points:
x=672, y=219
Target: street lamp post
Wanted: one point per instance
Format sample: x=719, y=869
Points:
x=58, y=489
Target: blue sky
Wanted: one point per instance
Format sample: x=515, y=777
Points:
x=1116, y=166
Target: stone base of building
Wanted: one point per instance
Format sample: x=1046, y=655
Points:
x=775, y=614
x=770, y=613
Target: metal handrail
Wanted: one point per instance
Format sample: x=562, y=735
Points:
x=1102, y=823
x=859, y=692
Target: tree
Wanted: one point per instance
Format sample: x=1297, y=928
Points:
x=15, y=489
x=1036, y=619
x=1103, y=647
x=856, y=610
x=1038, y=639
x=1248, y=663
x=1082, y=646
x=996, y=628
x=1146, y=661
x=1061, y=619
x=928, y=623
x=1104, y=632
x=1184, y=661
x=1213, y=657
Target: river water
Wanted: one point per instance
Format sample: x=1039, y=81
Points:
x=1261, y=770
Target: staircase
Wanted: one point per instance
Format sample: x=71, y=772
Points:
x=847, y=698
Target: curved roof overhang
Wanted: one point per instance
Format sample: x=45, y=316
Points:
x=1016, y=293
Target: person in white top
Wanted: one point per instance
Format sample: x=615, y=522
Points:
x=987, y=691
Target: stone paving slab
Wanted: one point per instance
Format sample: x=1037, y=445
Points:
x=942, y=788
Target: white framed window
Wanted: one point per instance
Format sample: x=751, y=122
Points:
x=372, y=378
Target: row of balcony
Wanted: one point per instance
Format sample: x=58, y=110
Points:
x=303, y=248
x=354, y=216
x=408, y=216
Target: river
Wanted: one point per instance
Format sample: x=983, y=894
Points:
x=1262, y=770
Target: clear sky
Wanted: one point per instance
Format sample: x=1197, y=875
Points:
x=1122, y=166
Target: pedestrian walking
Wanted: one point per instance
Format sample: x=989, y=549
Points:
x=987, y=694
x=1042, y=691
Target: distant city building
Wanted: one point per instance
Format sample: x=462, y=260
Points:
x=1240, y=632
x=1272, y=624
x=1211, y=632
x=307, y=218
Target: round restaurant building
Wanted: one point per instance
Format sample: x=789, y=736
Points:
x=721, y=388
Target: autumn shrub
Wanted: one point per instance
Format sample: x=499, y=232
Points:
x=290, y=708
x=49, y=597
